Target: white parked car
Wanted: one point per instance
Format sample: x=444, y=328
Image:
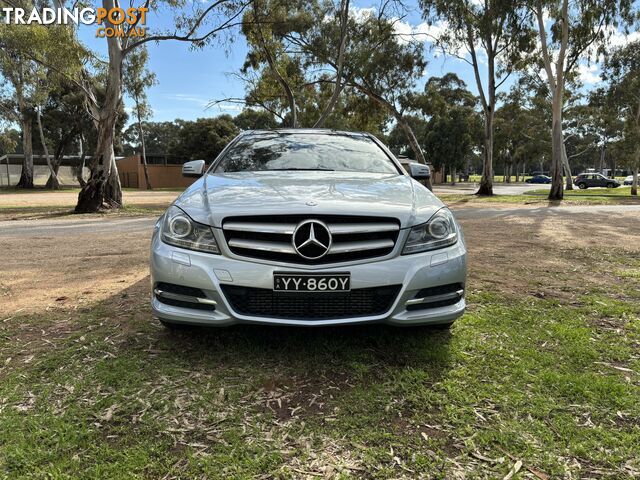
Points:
x=628, y=180
x=307, y=227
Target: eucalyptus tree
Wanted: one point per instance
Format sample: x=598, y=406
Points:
x=496, y=29
x=67, y=126
x=198, y=25
x=568, y=33
x=520, y=133
x=386, y=69
x=315, y=61
x=136, y=82
x=17, y=106
x=32, y=80
x=622, y=72
x=293, y=44
x=450, y=109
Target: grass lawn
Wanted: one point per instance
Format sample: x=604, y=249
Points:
x=536, y=199
x=590, y=192
x=541, y=375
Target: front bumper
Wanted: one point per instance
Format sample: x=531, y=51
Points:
x=174, y=265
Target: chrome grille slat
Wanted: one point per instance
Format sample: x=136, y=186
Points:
x=281, y=228
x=346, y=247
x=337, y=229
x=264, y=246
x=269, y=237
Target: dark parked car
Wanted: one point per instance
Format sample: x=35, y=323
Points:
x=539, y=179
x=586, y=180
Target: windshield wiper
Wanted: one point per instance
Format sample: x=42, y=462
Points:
x=304, y=169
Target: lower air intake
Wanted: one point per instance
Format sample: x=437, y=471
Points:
x=262, y=302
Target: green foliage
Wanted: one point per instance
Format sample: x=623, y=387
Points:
x=160, y=137
x=203, y=138
x=622, y=72
x=250, y=119
x=445, y=122
x=521, y=130
x=9, y=141
x=137, y=79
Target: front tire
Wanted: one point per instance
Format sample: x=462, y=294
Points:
x=611, y=185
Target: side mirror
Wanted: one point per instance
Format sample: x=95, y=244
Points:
x=194, y=168
x=419, y=171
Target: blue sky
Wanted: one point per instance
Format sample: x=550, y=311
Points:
x=189, y=79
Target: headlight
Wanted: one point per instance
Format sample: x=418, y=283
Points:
x=439, y=232
x=179, y=230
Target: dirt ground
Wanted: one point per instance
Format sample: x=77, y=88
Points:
x=509, y=254
x=68, y=198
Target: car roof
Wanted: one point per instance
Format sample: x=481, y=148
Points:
x=306, y=131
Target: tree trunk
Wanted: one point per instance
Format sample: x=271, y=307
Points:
x=566, y=167
x=452, y=169
x=143, y=146
x=636, y=163
x=517, y=172
x=53, y=182
x=104, y=186
x=26, y=177
x=603, y=149
x=556, y=86
x=486, y=182
x=557, y=143
x=80, y=171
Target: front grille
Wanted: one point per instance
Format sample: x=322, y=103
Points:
x=440, y=296
x=262, y=302
x=270, y=237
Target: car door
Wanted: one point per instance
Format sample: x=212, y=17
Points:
x=601, y=181
x=592, y=181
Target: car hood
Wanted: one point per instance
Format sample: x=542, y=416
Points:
x=214, y=197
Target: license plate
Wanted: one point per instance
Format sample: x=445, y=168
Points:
x=312, y=282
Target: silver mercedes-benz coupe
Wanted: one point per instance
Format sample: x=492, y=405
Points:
x=309, y=228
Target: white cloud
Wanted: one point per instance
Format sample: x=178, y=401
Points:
x=203, y=102
x=422, y=32
x=362, y=13
x=589, y=74
x=619, y=39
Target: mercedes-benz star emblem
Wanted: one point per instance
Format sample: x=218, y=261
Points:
x=311, y=239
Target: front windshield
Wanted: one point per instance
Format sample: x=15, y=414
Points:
x=306, y=151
